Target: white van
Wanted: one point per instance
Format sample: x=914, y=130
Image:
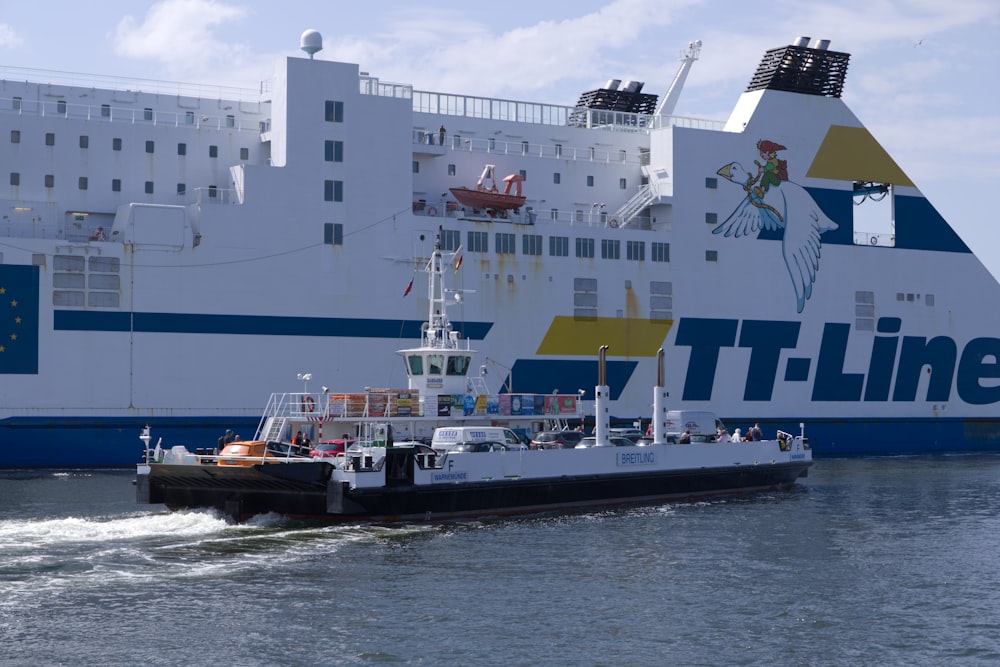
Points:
x=703, y=425
x=446, y=437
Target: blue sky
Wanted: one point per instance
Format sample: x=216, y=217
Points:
x=924, y=74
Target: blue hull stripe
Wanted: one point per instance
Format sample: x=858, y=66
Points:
x=257, y=325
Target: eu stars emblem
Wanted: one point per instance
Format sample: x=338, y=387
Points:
x=19, y=319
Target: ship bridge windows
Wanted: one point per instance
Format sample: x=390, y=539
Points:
x=414, y=364
x=458, y=365
x=611, y=249
x=635, y=251
x=435, y=364
x=585, y=247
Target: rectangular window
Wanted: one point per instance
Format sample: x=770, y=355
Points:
x=712, y=183
x=556, y=177
x=147, y=114
x=711, y=218
x=213, y=192
x=182, y=149
x=230, y=121
x=558, y=150
x=334, y=111
x=50, y=139
x=333, y=190
x=531, y=244
x=524, y=148
x=15, y=178
x=189, y=117
x=15, y=136
x=213, y=151
x=450, y=239
x=659, y=251
x=711, y=255
x=149, y=187
x=554, y=214
x=105, y=111
x=116, y=185
x=61, y=106
x=82, y=183
x=559, y=246
x=622, y=183
x=478, y=242
x=491, y=144
x=584, y=247
x=333, y=233
x=17, y=104
x=506, y=243
x=181, y=188
x=451, y=170
x=244, y=153
x=116, y=144
x=635, y=251
x=611, y=249
x=50, y=181
x=590, y=181
x=150, y=146
x=416, y=167
x=333, y=151
x=84, y=141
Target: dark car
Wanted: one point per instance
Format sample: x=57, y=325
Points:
x=556, y=439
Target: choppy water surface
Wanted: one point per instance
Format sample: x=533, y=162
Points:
x=890, y=561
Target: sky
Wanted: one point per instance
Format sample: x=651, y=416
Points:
x=924, y=75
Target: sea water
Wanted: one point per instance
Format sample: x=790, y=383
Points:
x=883, y=561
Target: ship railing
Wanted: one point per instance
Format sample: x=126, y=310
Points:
x=381, y=403
x=530, y=214
x=117, y=114
x=535, y=113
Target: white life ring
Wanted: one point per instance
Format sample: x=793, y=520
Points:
x=613, y=223
x=431, y=210
x=308, y=404
x=874, y=240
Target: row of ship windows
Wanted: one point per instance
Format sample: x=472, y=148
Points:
x=116, y=144
x=534, y=245
x=332, y=190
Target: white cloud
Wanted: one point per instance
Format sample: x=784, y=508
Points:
x=179, y=34
x=8, y=38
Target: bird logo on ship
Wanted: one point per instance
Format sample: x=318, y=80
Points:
x=773, y=203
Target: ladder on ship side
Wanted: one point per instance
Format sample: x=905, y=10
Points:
x=273, y=429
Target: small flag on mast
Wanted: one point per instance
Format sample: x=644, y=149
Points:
x=408, y=287
x=458, y=263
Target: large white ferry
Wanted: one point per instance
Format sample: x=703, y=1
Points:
x=168, y=251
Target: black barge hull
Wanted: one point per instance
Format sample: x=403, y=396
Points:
x=306, y=490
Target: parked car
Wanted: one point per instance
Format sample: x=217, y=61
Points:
x=632, y=434
x=328, y=448
x=616, y=441
x=556, y=439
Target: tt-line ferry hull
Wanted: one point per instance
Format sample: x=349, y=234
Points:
x=168, y=252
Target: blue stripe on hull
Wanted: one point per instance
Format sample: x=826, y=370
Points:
x=259, y=325
x=114, y=441
x=542, y=376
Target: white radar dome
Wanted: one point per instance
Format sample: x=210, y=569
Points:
x=311, y=42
